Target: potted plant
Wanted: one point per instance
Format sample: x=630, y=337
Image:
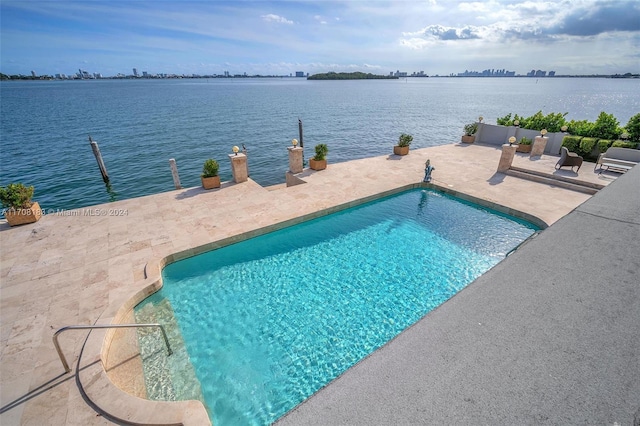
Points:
x=19, y=209
x=319, y=161
x=524, y=144
x=469, y=132
x=403, y=144
x=209, y=177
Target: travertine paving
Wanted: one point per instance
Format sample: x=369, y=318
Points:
x=79, y=267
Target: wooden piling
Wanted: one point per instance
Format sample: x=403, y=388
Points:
x=300, y=133
x=244, y=151
x=301, y=140
x=98, y=155
x=174, y=173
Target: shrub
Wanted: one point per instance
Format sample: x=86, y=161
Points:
x=633, y=128
x=604, y=144
x=525, y=141
x=586, y=146
x=210, y=168
x=470, y=129
x=508, y=121
x=16, y=196
x=605, y=127
x=405, y=140
x=579, y=128
x=572, y=143
x=504, y=121
x=321, y=152
x=552, y=121
x=624, y=144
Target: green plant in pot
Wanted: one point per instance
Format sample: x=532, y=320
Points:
x=209, y=177
x=469, y=132
x=403, y=144
x=19, y=209
x=319, y=160
x=524, y=144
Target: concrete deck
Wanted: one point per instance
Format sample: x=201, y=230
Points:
x=87, y=266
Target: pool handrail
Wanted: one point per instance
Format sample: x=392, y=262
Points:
x=67, y=369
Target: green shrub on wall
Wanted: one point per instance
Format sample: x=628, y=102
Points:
x=606, y=127
x=624, y=144
x=508, y=121
x=580, y=128
x=604, y=144
x=586, y=146
x=538, y=121
x=633, y=128
x=572, y=143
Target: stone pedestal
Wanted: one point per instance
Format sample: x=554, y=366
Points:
x=508, y=151
x=295, y=159
x=239, y=167
x=539, y=143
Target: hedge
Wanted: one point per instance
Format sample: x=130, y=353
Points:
x=623, y=144
x=586, y=146
x=572, y=143
x=604, y=144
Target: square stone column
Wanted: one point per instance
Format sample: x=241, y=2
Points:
x=539, y=143
x=295, y=159
x=239, y=167
x=508, y=152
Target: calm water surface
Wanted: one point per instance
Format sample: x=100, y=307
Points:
x=269, y=321
x=141, y=124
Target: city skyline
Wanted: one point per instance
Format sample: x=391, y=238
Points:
x=578, y=37
x=490, y=72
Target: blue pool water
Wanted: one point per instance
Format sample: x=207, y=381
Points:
x=269, y=321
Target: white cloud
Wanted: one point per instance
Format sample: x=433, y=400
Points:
x=275, y=18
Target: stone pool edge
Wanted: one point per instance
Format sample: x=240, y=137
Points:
x=107, y=398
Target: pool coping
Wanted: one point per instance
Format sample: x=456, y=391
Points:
x=193, y=412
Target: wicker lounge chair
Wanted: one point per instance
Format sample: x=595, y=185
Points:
x=568, y=159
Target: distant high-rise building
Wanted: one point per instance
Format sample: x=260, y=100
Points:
x=33, y=74
x=299, y=73
x=135, y=72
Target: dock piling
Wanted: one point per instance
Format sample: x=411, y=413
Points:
x=98, y=155
x=174, y=173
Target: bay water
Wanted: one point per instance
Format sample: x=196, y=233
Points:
x=141, y=124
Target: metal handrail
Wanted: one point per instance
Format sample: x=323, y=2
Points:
x=90, y=327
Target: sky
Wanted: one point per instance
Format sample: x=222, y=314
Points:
x=281, y=37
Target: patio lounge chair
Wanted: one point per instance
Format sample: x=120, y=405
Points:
x=568, y=159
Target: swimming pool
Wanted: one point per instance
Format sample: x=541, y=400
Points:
x=269, y=321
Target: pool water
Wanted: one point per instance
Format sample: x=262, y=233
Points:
x=269, y=321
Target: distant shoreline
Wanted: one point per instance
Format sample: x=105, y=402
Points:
x=4, y=77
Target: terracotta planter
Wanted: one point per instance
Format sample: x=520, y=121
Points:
x=400, y=150
x=523, y=148
x=317, y=164
x=210, y=182
x=468, y=139
x=24, y=216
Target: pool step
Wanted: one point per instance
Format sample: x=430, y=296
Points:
x=555, y=180
x=167, y=378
